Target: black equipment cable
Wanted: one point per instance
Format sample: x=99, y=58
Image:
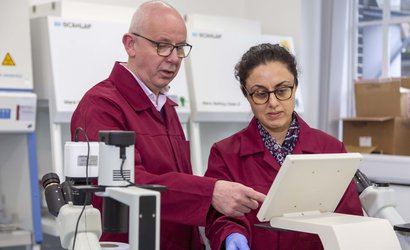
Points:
x=86, y=178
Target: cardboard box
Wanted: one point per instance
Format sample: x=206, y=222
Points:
x=362, y=150
x=381, y=98
x=389, y=135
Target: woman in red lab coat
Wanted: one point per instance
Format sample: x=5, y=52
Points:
x=269, y=79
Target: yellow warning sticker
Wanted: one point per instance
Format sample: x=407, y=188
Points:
x=285, y=44
x=8, y=61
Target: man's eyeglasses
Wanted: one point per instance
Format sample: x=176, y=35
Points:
x=261, y=96
x=165, y=49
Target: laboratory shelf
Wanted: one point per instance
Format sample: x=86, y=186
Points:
x=15, y=238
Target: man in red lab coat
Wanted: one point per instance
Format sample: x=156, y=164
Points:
x=133, y=98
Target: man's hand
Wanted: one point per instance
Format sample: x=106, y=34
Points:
x=236, y=241
x=235, y=199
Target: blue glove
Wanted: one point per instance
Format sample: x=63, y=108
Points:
x=236, y=241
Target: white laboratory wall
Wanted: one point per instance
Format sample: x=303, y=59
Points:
x=277, y=17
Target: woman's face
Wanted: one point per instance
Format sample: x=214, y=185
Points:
x=275, y=115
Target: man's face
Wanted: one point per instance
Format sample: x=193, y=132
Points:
x=154, y=70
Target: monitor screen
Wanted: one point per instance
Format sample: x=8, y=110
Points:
x=309, y=182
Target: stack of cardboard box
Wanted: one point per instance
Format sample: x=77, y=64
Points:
x=382, y=122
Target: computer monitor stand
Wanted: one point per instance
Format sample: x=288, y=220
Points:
x=342, y=231
x=305, y=194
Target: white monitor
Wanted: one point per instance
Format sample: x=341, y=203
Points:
x=309, y=182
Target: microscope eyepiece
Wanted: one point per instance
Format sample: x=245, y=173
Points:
x=53, y=193
x=50, y=178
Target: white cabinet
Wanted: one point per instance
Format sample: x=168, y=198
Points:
x=219, y=109
x=19, y=188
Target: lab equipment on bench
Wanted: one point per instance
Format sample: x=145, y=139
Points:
x=78, y=222
x=305, y=194
x=17, y=111
x=84, y=236
x=378, y=200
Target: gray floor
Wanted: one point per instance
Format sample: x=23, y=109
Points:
x=51, y=243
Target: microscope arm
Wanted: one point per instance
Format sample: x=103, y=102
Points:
x=379, y=201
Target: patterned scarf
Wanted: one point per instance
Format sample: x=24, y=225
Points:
x=281, y=151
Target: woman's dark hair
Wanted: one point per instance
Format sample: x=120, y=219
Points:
x=263, y=54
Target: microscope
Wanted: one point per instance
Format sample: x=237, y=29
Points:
x=378, y=200
x=126, y=206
